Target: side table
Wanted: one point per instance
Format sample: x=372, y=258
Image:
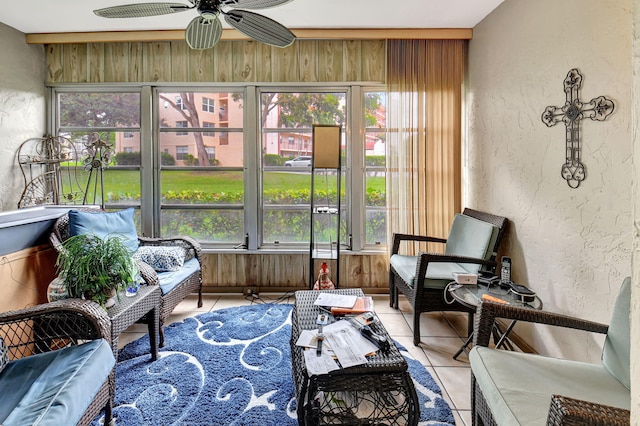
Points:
x=378, y=392
x=129, y=310
x=470, y=295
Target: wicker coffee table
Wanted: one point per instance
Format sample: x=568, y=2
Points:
x=379, y=392
x=128, y=310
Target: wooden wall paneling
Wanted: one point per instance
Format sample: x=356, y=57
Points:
x=263, y=62
x=379, y=265
x=156, y=61
x=244, y=60
x=308, y=60
x=231, y=270
x=26, y=276
x=209, y=269
x=352, y=271
x=116, y=62
x=285, y=63
x=179, y=61
x=247, y=270
x=201, y=65
x=135, y=64
x=289, y=270
x=95, y=52
x=75, y=63
x=55, y=63
x=373, y=60
x=227, y=275
x=330, y=64
x=352, y=60
x=222, y=62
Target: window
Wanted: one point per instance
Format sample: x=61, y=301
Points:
x=182, y=123
x=211, y=152
x=202, y=193
x=181, y=152
x=208, y=105
x=114, y=119
x=206, y=175
x=375, y=115
x=285, y=190
x=208, y=125
x=179, y=103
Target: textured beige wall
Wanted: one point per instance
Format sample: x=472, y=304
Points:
x=635, y=291
x=22, y=107
x=572, y=246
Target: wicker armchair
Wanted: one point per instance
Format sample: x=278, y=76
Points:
x=53, y=326
x=189, y=284
x=423, y=278
x=521, y=388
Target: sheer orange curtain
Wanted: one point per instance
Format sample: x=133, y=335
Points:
x=424, y=119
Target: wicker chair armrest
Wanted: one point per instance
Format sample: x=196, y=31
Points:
x=55, y=242
x=398, y=238
x=48, y=326
x=488, y=312
x=148, y=274
x=193, y=247
x=569, y=411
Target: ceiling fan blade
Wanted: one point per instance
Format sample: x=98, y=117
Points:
x=254, y=4
x=203, y=33
x=141, y=10
x=260, y=28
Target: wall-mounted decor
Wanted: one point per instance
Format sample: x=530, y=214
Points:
x=573, y=110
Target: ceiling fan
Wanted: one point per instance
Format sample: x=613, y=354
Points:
x=204, y=31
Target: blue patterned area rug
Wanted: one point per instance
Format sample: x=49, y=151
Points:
x=229, y=367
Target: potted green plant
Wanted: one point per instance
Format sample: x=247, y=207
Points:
x=95, y=268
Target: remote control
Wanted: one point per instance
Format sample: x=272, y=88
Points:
x=375, y=338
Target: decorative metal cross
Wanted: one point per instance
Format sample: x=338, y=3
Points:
x=597, y=109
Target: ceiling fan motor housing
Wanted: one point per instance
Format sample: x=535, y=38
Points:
x=209, y=9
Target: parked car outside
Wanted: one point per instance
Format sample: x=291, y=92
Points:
x=304, y=161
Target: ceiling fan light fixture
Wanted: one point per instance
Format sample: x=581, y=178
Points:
x=204, y=31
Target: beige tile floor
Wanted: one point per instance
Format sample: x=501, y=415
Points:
x=442, y=334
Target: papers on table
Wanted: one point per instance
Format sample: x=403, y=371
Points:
x=338, y=300
x=342, y=340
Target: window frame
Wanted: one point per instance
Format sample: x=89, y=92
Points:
x=150, y=208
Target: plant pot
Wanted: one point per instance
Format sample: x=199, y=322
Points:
x=111, y=300
x=57, y=290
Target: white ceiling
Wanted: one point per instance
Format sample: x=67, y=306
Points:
x=52, y=16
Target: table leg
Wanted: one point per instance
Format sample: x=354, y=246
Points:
x=503, y=340
x=463, y=348
x=152, y=325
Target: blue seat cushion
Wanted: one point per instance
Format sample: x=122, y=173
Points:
x=106, y=224
x=169, y=280
x=518, y=386
x=54, y=388
x=439, y=274
x=616, y=353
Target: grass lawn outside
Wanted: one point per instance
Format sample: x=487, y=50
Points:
x=213, y=182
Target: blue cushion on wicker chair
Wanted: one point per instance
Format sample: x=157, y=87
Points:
x=106, y=224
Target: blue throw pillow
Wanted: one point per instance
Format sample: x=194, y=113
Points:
x=162, y=258
x=106, y=224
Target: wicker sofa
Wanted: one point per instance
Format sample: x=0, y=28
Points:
x=513, y=388
x=175, y=285
x=60, y=370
